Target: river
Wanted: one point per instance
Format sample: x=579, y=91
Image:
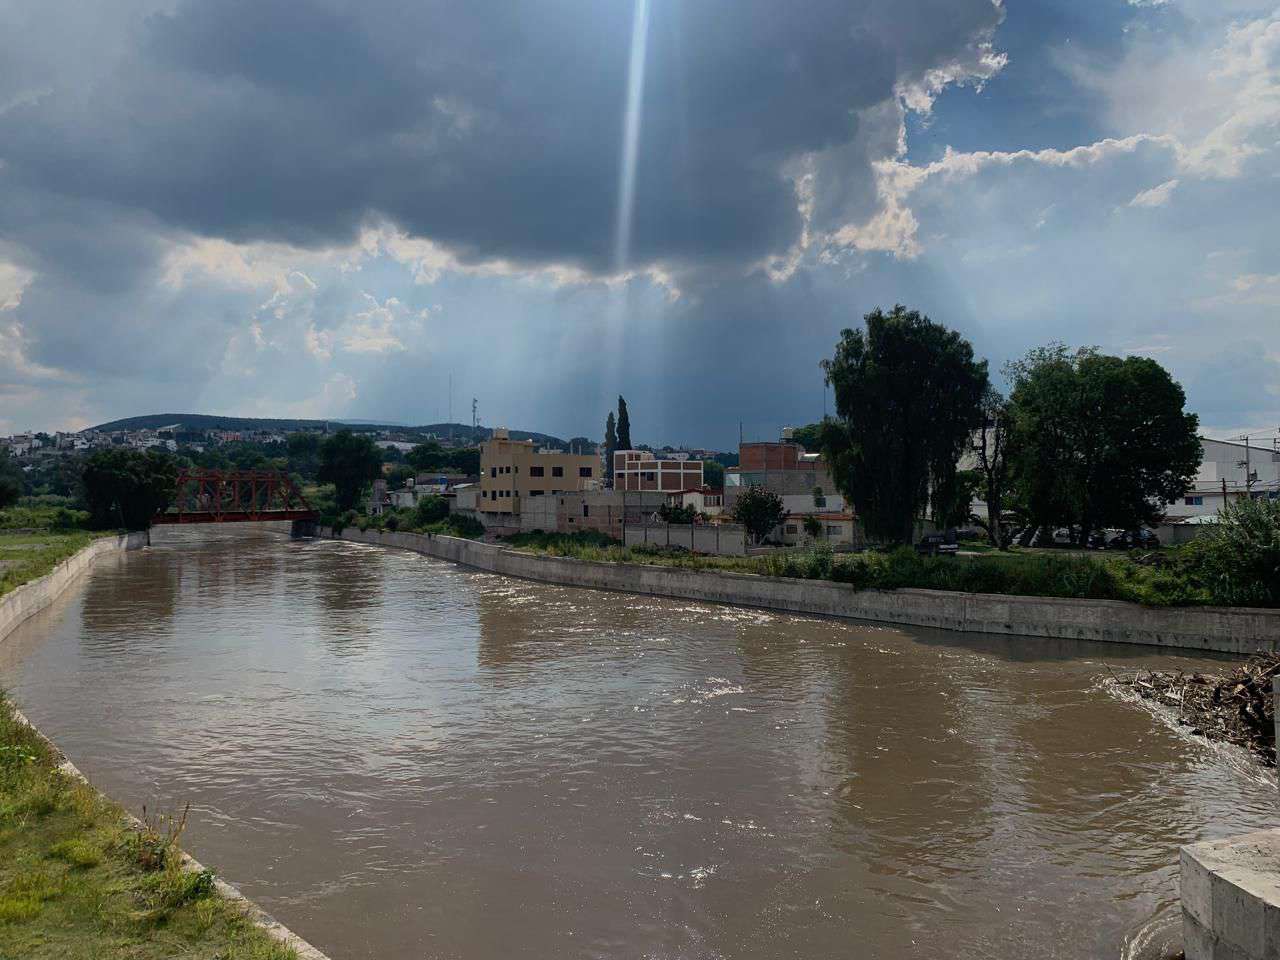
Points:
x=404, y=758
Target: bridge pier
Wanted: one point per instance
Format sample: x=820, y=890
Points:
x=303, y=528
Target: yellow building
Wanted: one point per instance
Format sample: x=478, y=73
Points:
x=511, y=470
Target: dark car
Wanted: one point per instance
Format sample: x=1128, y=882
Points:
x=938, y=544
x=1134, y=540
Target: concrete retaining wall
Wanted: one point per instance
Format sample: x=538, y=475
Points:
x=1238, y=630
x=29, y=599
x=1231, y=898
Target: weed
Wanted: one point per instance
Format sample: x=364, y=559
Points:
x=77, y=853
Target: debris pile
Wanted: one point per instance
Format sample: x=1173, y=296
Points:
x=1238, y=708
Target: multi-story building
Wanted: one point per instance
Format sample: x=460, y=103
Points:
x=784, y=467
x=641, y=470
x=514, y=471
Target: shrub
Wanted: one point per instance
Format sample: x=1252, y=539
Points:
x=430, y=510
x=1239, y=559
x=392, y=523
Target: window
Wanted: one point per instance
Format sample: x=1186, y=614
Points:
x=557, y=471
x=584, y=471
x=493, y=471
x=536, y=471
x=586, y=510
x=536, y=493
x=791, y=528
x=833, y=530
x=1194, y=501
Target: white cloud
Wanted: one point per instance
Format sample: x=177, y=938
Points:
x=1157, y=196
x=381, y=327
x=13, y=281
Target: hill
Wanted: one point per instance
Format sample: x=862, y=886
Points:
x=204, y=421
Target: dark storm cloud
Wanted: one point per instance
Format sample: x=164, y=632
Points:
x=494, y=128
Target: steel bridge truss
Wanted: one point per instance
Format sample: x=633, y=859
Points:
x=235, y=496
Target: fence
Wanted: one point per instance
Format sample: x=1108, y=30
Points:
x=723, y=539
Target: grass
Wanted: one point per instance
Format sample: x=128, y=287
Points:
x=77, y=882
x=1039, y=574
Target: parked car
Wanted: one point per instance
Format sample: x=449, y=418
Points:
x=938, y=544
x=1134, y=540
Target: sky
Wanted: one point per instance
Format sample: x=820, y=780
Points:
x=319, y=209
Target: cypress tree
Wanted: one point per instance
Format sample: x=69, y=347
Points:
x=624, y=426
x=610, y=445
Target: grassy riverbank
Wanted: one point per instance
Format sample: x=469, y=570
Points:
x=1175, y=577
x=77, y=882
x=33, y=540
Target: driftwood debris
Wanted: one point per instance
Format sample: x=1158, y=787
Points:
x=1238, y=708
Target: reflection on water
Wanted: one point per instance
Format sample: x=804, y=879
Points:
x=401, y=757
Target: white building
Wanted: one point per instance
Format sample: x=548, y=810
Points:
x=1229, y=470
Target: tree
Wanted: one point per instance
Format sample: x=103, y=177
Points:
x=808, y=436
x=349, y=461
x=427, y=457
x=682, y=514
x=304, y=453
x=991, y=447
x=624, y=426
x=399, y=476
x=759, y=510
x=813, y=527
x=430, y=510
x=907, y=393
x=610, y=444
x=127, y=488
x=957, y=507
x=1101, y=441
x=713, y=473
x=10, y=481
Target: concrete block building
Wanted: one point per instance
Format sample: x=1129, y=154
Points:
x=641, y=470
x=514, y=473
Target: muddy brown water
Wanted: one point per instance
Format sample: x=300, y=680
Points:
x=404, y=758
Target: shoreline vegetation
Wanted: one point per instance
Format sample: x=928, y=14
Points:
x=34, y=540
x=1235, y=565
x=1173, y=577
x=79, y=879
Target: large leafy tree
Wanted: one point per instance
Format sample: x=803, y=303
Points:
x=1099, y=441
x=624, y=426
x=127, y=488
x=349, y=461
x=908, y=394
x=759, y=510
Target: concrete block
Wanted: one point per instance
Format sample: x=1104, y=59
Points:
x=1230, y=893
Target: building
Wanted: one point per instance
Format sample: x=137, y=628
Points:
x=1229, y=470
x=641, y=470
x=839, y=528
x=784, y=467
x=705, y=500
x=604, y=511
x=513, y=472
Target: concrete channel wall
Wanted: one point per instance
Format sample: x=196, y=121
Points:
x=1237, y=630
x=24, y=602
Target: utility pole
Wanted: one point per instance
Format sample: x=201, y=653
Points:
x=475, y=420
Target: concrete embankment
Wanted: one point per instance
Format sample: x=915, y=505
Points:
x=1237, y=630
x=24, y=602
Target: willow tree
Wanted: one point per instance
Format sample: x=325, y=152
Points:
x=908, y=393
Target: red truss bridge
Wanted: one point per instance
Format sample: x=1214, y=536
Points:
x=235, y=496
